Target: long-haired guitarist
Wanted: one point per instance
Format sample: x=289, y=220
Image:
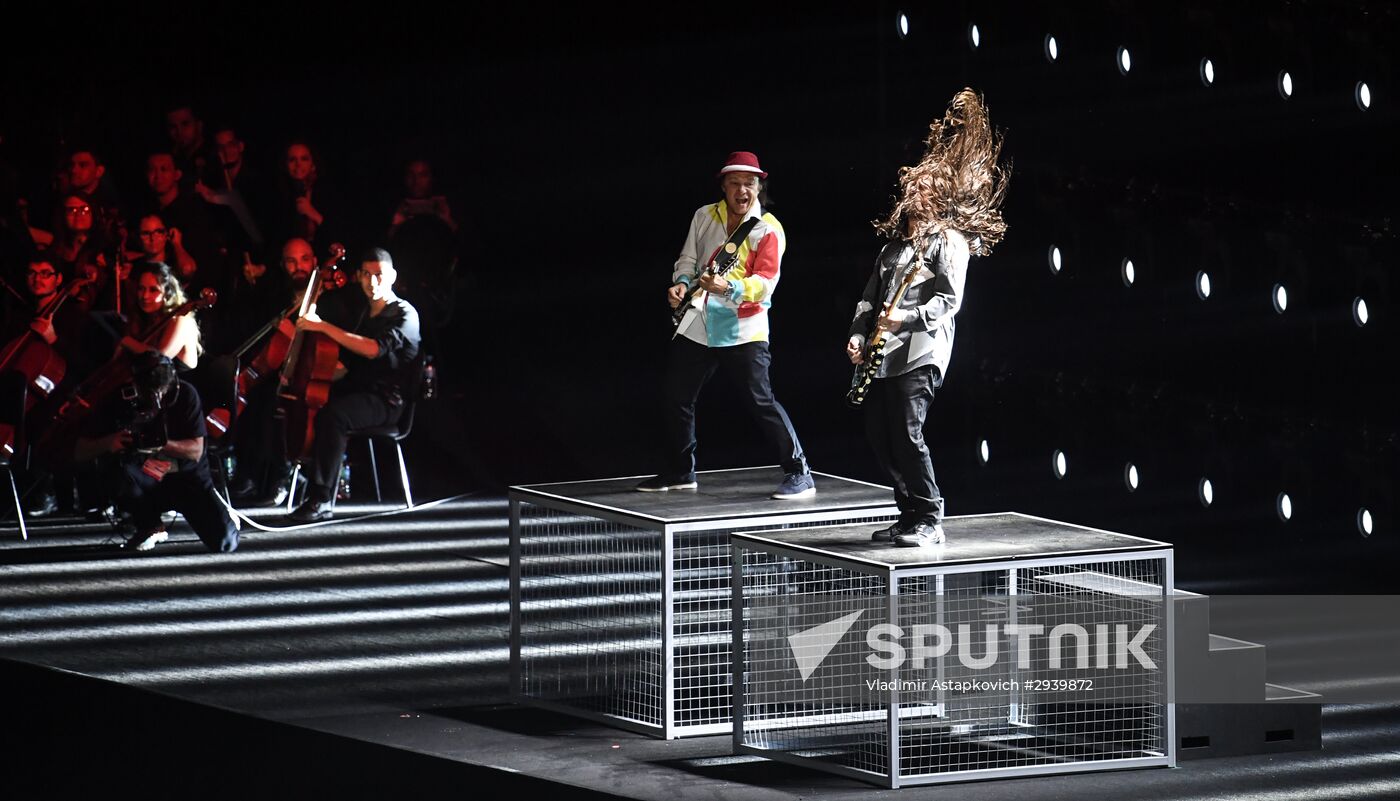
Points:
x=721, y=288
x=949, y=208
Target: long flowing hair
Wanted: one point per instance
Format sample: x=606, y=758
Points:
x=959, y=183
x=170, y=289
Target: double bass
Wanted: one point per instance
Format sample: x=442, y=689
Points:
x=280, y=333
x=42, y=366
x=304, y=385
x=55, y=445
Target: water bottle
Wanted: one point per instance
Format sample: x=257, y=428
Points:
x=429, y=379
x=342, y=490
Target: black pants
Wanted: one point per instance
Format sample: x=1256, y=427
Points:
x=690, y=366
x=189, y=492
x=261, y=443
x=343, y=413
x=895, y=412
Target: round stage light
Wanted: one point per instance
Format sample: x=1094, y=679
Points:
x=1205, y=492
x=1056, y=260
x=1125, y=60
x=1280, y=298
x=1364, y=523
x=1285, y=84
x=984, y=451
x=1363, y=95
x=1284, y=507
x=974, y=36
x=1202, y=284
x=1129, y=274
x=1052, y=48
x=1059, y=464
x=1359, y=313
x=1207, y=72
x=1130, y=477
x=903, y=26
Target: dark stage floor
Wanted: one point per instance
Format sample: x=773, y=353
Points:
x=373, y=655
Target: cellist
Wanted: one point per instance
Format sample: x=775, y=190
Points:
x=263, y=473
x=377, y=350
x=48, y=322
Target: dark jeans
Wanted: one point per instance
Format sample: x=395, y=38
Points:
x=189, y=492
x=690, y=366
x=343, y=413
x=895, y=412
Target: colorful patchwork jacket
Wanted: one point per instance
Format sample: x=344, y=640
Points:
x=743, y=316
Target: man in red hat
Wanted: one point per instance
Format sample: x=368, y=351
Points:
x=728, y=327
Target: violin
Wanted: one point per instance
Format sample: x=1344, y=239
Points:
x=55, y=445
x=42, y=366
x=304, y=385
x=275, y=348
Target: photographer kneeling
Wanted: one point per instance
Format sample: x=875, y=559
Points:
x=148, y=443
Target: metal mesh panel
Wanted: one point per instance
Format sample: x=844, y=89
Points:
x=1039, y=714
x=1016, y=694
x=702, y=607
x=591, y=618
x=590, y=614
x=813, y=719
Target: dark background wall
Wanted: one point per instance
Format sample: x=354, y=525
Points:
x=578, y=143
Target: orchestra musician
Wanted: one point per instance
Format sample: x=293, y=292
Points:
x=377, y=350
x=157, y=291
x=263, y=473
x=51, y=323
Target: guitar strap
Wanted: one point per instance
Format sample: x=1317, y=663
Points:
x=731, y=245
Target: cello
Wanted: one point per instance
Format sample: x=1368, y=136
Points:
x=281, y=333
x=304, y=385
x=42, y=366
x=55, y=445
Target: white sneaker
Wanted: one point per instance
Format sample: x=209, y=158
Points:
x=146, y=541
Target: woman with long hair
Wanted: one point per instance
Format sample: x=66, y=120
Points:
x=901, y=339
x=156, y=292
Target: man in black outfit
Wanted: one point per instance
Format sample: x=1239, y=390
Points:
x=148, y=446
x=377, y=350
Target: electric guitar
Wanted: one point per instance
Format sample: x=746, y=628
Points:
x=722, y=263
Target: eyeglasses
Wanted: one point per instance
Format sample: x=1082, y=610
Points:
x=77, y=209
x=154, y=232
x=42, y=274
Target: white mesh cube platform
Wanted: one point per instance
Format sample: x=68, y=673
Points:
x=620, y=600
x=1021, y=646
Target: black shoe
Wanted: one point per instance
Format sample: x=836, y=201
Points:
x=43, y=503
x=667, y=483
x=312, y=512
x=243, y=489
x=889, y=533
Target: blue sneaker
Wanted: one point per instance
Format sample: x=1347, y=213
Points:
x=795, y=485
x=667, y=483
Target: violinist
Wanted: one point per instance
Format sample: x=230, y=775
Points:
x=377, y=350
x=157, y=291
x=146, y=445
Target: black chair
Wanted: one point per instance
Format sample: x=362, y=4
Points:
x=14, y=396
x=398, y=432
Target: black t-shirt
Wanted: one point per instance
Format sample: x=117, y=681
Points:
x=395, y=328
x=181, y=414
